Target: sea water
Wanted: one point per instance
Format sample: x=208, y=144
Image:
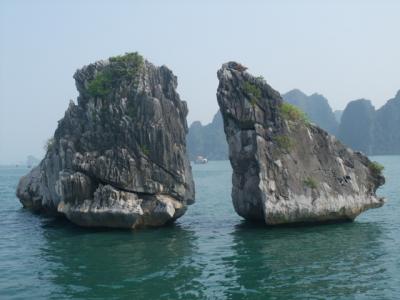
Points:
x=210, y=253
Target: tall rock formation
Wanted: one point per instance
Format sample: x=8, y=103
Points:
x=356, y=126
x=208, y=140
x=316, y=107
x=286, y=170
x=386, y=131
x=118, y=157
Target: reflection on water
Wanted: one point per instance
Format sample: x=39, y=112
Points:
x=324, y=261
x=210, y=253
x=108, y=263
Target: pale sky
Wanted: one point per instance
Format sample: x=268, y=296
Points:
x=344, y=50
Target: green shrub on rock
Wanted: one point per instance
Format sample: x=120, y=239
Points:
x=253, y=91
x=376, y=168
x=293, y=113
x=310, y=182
x=100, y=86
x=145, y=150
x=284, y=142
x=122, y=67
x=133, y=58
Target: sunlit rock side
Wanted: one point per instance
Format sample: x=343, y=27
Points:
x=286, y=170
x=118, y=157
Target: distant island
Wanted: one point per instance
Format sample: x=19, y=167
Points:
x=208, y=140
x=316, y=107
x=359, y=126
x=371, y=131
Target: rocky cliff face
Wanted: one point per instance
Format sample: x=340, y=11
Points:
x=285, y=169
x=118, y=157
x=208, y=140
x=316, y=107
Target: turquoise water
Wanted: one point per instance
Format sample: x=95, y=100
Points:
x=210, y=253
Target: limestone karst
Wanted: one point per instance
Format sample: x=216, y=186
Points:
x=118, y=157
x=285, y=169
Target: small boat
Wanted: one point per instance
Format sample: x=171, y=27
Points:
x=201, y=160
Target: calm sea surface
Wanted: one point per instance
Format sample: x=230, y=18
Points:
x=210, y=253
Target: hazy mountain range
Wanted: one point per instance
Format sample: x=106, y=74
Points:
x=359, y=125
x=374, y=132
x=316, y=107
x=208, y=140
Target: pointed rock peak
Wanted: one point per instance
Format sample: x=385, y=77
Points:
x=361, y=103
x=234, y=66
x=296, y=93
x=317, y=96
x=196, y=124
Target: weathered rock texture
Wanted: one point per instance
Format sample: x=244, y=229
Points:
x=286, y=170
x=118, y=158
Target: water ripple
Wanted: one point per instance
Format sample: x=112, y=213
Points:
x=210, y=253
